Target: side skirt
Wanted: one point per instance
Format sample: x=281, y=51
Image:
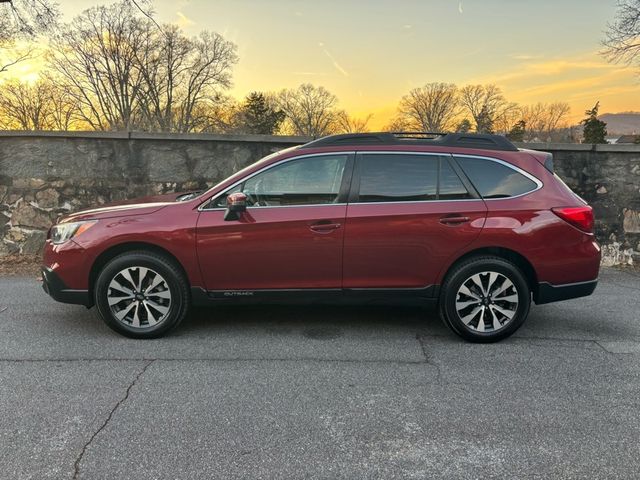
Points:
x=350, y=296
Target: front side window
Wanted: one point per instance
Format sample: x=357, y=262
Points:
x=493, y=179
x=305, y=181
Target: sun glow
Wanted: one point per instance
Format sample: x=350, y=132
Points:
x=369, y=58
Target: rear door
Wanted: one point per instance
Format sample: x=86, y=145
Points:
x=408, y=213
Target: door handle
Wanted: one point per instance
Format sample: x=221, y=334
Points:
x=324, y=226
x=454, y=220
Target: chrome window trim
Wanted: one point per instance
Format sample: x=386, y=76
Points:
x=526, y=174
x=396, y=152
x=539, y=183
x=423, y=201
x=282, y=206
x=535, y=180
x=402, y=152
x=201, y=207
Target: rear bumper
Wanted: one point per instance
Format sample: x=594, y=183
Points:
x=548, y=293
x=56, y=289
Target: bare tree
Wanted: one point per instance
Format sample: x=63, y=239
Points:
x=543, y=119
x=95, y=57
x=26, y=18
x=180, y=74
x=220, y=116
x=345, y=123
x=25, y=106
x=41, y=105
x=622, y=38
x=309, y=110
x=126, y=72
x=431, y=108
x=506, y=117
x=485, y=103
x=397, y=124
x=63, y=111
x=23, y=19
x=557, y=113
x=210, y=70
x=10, y=56
x=160, y=60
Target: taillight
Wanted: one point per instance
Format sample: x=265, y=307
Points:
x=580, y=217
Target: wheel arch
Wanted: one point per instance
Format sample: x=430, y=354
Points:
x=115, y=250
x=511, y=255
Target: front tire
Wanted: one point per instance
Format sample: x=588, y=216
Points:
x=485, y=299
x=141, y=294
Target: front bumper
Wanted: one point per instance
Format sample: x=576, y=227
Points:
x=56, y=289
x=548, y=293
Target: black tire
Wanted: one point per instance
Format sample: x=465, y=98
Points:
x=169, y=312
x=460, y=274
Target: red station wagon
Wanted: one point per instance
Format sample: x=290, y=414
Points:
x=466, y=221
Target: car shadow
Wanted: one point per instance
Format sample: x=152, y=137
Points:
x=320, y=322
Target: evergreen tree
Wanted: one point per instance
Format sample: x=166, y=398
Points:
x=257, y=116
x=516, y=134
x=464, y=126
x=484, y=121
x=595, y=130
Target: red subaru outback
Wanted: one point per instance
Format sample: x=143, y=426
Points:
x=469, y=222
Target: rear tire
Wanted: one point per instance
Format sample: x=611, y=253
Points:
x=485, y=299
x=142, y=294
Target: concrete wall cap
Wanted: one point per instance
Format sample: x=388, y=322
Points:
x=280, y=139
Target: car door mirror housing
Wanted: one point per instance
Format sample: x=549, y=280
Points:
x=236, y=205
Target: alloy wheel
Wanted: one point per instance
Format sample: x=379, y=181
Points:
x=139, y=297
x=487, y=301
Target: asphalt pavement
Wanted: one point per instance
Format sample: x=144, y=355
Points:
x=320, y=392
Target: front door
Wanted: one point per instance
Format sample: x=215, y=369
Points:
x=291, y=235
x=408, y=214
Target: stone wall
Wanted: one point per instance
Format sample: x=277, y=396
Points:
x=44, y=175
x=608, y=177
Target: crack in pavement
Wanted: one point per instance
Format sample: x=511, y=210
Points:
x=533, y=340
x=76, y=464
x=429, y=359
x=206, y=359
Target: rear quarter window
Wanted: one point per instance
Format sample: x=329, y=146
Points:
x=495, y=180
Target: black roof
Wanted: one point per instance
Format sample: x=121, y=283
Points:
x=460, y=140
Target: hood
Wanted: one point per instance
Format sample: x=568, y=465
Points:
x=125, y=208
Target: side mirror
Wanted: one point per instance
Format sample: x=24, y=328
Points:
x=236, y=205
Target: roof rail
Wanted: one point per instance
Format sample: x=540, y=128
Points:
x=461, y=140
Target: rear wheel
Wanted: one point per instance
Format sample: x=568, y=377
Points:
x=485, y=299
x=141, y=294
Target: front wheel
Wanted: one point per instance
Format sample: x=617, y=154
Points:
x=485, y=299
x=141, y=294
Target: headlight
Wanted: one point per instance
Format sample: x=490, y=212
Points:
x=62, y=232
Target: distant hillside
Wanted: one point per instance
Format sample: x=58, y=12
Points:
x=622, y=123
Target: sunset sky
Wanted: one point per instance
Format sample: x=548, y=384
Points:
x=370, y=53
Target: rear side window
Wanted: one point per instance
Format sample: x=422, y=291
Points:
x=398, y=178
x=451, y=187
x=408, y=178
x=493, y=179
